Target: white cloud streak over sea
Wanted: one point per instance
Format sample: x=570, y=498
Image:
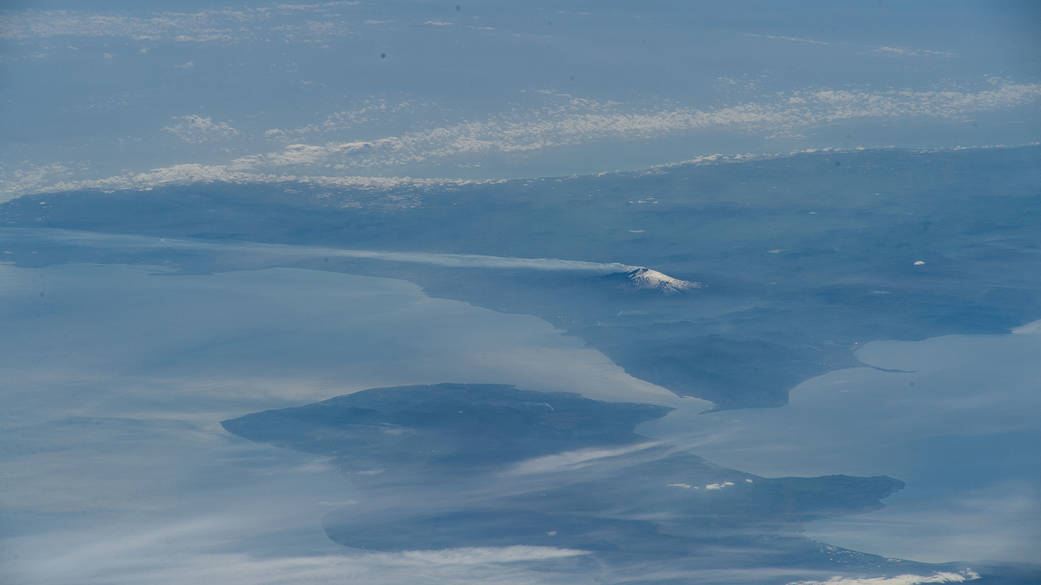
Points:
x=195, y=129
x=581, y=120
x=205, y=26
x=571, y=121
x=908, y=579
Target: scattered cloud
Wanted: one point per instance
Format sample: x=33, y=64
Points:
x=565, y=121
x=790, y=39
x=578, y=120
x=196, y=129
x=908, y=579
x=30, y=177
x=480, y=555
x=57, y=177
x=906, y=52
x=37, y=179
x=368, y=111
x=206, y=26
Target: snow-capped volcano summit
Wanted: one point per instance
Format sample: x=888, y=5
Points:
x=645, y=278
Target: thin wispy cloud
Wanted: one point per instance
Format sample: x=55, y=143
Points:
x=369, y=111
x=907, y=579
x=197, y=550
x=579, y=121
x=280, y=250
x=569, y=121
x=205, y=26
x=196, y=129
x=574, y=460
x=790, y=39
x=57, y=177
x=908, y=52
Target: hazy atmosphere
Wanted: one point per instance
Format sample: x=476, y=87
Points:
x=581, y=293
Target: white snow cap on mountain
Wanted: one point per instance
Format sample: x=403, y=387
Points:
x=645, y=278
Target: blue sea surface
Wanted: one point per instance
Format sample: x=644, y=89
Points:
x=788, y=370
